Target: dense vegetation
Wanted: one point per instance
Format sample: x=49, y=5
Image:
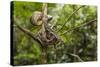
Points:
x=76, y=25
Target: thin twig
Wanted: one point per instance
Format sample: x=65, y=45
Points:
x=74, y=55
x=85, y=24
x=69, y=18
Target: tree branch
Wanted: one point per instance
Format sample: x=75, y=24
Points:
x=69, y=18
x=76, y=56
x=26, y=31
x=85, y=24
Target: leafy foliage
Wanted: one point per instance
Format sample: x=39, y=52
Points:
x=80, y=42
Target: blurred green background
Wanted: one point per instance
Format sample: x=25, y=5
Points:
x=80, y=43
